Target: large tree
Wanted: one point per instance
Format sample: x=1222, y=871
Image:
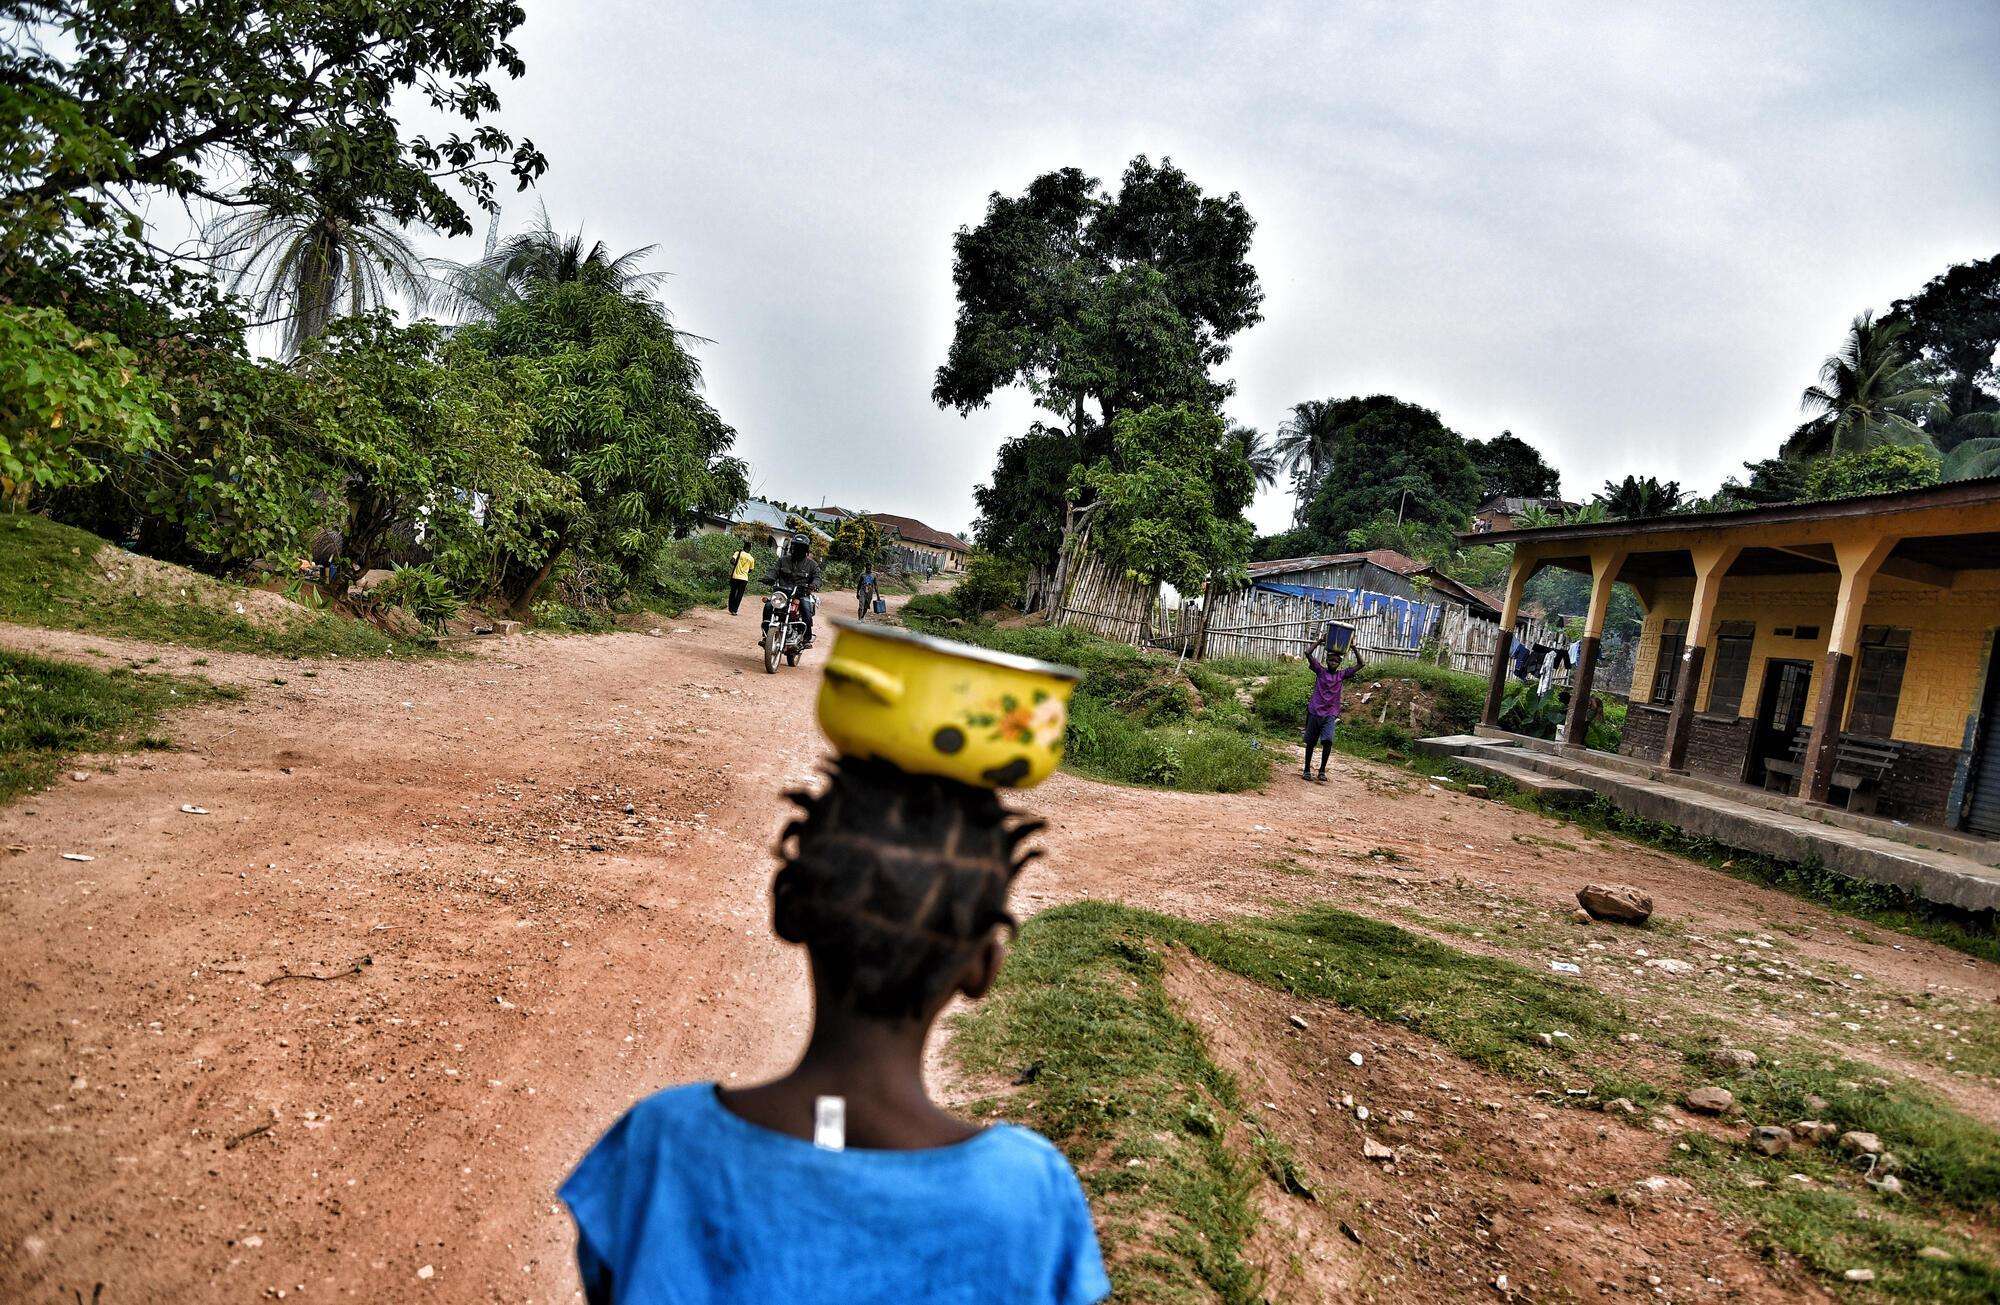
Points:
x=1510, y=465
x=1953, y=337
x=1392, y=459
x=1097, y=303
x=1869, y=394
x=616, y=406
x=225, y=101
x=1030, y=473
x=541, y=257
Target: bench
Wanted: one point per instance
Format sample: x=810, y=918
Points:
x=1859, y=767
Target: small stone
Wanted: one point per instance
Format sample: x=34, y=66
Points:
x=1859, y=1275
x=1668, y=965
x=1476, y=790
x=426, y=1273
x=1735, y=1058
x=1299, y=1022
x=79, y=776
x=1770, y=1140
x=1582, y=916
x=1354, y=1058
x=1861, y=1143
x=1373, y=1150
x=1709, y=1100
x=1934, y=1253
x=1818, y=1105
x=1618, y=903
x=1812, y=1130
x=1620, y=1106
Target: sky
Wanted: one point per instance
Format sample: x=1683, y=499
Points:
x=1627, y=233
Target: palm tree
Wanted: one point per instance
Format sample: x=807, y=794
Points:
x=1869, y=394
x=540, y=257
x=1257, y=451
x=1636, y=496
x=302, y=266
x=1306, y=444
x=1978, y=455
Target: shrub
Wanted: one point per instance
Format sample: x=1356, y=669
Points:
x=422, y=591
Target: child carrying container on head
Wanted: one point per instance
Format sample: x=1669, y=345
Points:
x=1323, y=708
x=842, y=1180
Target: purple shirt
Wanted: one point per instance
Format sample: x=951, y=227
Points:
x=1326, y=689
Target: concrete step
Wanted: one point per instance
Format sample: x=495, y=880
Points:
x=1447, y=745
x=1554, y=791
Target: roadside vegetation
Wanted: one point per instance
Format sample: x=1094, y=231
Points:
x=51, y=711
x=50, y=576
x=1096, y=1055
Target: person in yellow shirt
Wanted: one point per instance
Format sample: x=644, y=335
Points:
x=740, y=568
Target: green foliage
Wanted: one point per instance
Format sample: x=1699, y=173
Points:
x=411, y=429
x=424, y=592
x=1123, y=301
x=1869, y=394
x=684, y=573
x=1641, y=496
x=858, y=542
x=1953, y=336
x=1879, y=470
x=614, y=407
x=1393, y=459
x=1510, y=465
x=1172, y=488
x=47, y=579
x=68, y=400
x=172, y=99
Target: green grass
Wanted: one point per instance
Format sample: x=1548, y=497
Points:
x=47, y=579
x=50, y=711
x=1105, y=1066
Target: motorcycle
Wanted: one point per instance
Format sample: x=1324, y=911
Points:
x=784, y=627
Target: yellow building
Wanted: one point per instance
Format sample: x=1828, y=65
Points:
x=1842, y=649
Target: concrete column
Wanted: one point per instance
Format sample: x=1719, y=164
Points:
x=1503, y=645
x=1859, y=560
x=1604, y=567
x=1711, y=562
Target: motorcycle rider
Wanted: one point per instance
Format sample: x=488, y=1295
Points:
x=799, y=572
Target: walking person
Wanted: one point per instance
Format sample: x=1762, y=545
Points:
x=1323, y=708
x=740, y=568
x=867, y=591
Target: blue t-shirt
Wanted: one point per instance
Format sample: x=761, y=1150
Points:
x=683, y=1201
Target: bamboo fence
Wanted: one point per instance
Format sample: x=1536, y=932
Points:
x=1104, y=600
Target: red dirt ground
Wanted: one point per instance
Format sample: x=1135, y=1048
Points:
x=343, y=1035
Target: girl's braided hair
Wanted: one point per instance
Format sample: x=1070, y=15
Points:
x=893, y=880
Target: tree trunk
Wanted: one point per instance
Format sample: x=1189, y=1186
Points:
x=519, y=608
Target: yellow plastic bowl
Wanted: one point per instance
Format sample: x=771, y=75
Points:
x=941, y=708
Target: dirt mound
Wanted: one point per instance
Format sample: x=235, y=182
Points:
x=1406, y=704
x=146, y=577
x=1434, y=1180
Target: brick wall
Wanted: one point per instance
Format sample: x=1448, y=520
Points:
x=1717, y=746
x=1919, y=788
x=1645, y=733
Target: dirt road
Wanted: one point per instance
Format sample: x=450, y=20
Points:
x=342, y=1035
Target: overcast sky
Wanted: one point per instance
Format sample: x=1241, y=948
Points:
x=1627, y=235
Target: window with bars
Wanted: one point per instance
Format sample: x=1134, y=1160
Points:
x=1732, y=666
x=1667, y=662
x=1878, y=680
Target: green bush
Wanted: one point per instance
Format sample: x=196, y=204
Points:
x=423, y=592
x=684, y=573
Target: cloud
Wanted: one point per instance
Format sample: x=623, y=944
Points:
x=1628, y=233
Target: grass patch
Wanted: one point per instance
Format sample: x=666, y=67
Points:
x=47, y=579
x=1105, y=1066
x=50, y=711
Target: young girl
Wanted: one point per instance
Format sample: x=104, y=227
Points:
x=842, y=1180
